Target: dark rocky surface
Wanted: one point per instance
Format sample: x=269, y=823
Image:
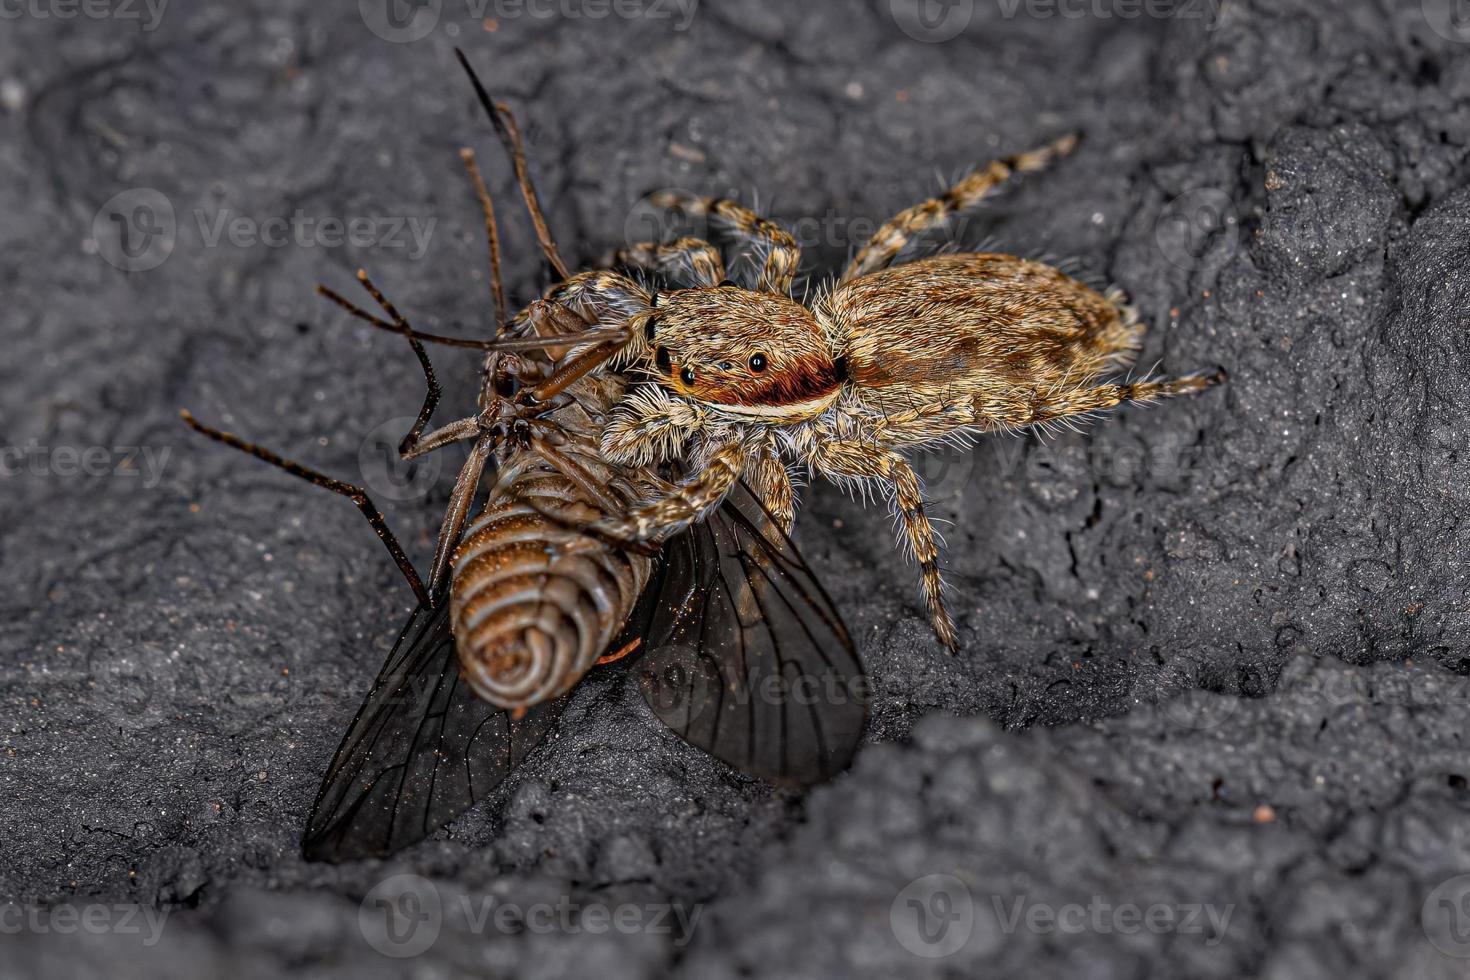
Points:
x=1210, y=714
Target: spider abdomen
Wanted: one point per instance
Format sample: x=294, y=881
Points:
x=991, y=328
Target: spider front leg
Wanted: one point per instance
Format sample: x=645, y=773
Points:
x=771, y=482
x=650, y=426
x=685, y=261
x=851, y=459
x=775, y=252
x=686, y=503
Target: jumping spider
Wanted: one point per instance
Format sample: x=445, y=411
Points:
x=894, y=357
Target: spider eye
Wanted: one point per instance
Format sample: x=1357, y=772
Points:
x=650, y=328
x=687, y=376
x=662, y=359
x=757, y=362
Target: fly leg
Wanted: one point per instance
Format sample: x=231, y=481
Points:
x=615, y=656
x=594, y=307
x=509, y=132
x=411, y=445
x=399, y=325
x=351, y=491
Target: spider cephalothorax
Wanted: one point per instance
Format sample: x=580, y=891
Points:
x=894, y=357
x=746, y=354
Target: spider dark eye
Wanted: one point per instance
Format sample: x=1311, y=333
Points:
x=757, y=362
x=687, y=376
x=662, y=358
x=650, y=328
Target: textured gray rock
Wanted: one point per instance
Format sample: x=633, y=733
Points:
x=1210, y=715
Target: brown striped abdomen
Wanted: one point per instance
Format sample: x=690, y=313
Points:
x=534, y=604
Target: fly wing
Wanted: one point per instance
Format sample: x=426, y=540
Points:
x=746, y=656
x=421, y=750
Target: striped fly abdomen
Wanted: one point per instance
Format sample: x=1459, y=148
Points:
x=533, y=602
